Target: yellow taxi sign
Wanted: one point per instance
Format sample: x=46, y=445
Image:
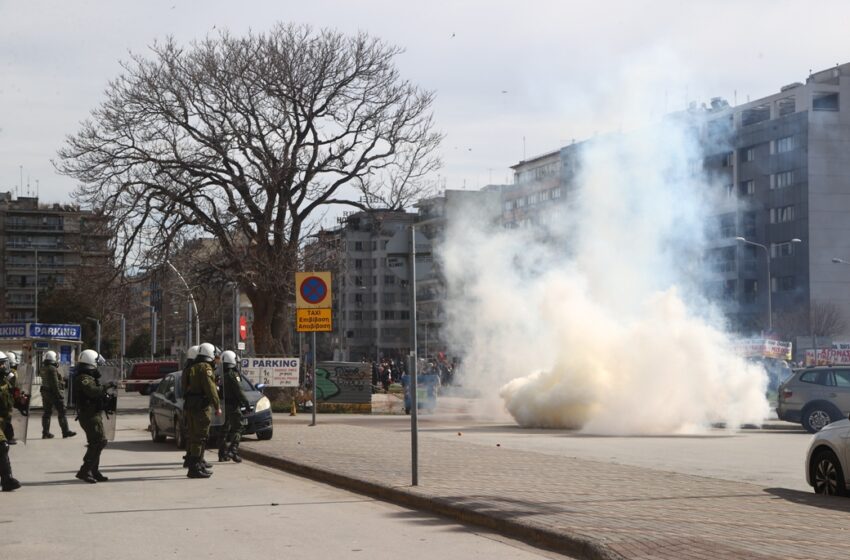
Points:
x=313, y=320
x=313, y=290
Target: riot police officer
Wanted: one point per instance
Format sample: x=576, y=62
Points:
x=199, y=398
x=89, y=395
x=52, y=396
x=7, y=482
x=11, y=378
x=234, y=400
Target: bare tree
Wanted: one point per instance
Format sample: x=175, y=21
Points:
x=825, y=319
x=248, y=139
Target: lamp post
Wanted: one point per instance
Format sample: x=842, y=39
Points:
x=97, y=322
x=769, y=287
x=123, y=339
x=192, y=299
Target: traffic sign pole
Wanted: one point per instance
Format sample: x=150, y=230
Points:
x=315, y=402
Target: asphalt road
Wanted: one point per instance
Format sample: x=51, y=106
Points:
x=149, y=509
x=771, y=458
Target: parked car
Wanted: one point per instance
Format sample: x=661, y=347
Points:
x=166, y=412
x=150, y=372
x=815, y=396
x=828, y=460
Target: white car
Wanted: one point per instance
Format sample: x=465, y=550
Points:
x=828, y=459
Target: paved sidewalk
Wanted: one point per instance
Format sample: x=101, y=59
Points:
x=583, y=508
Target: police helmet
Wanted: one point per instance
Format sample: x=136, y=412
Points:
x=13, y=358
x=192, y=352
x=88, y=360
x=228, y=357
x=50, y=357
x=206, y=352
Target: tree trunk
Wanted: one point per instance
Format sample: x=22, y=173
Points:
x=266, y=340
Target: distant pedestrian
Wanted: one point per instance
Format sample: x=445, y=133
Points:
x=52, y=396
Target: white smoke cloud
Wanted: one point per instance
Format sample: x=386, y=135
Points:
x=594, y=319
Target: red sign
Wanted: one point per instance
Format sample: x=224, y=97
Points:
x=243, y=328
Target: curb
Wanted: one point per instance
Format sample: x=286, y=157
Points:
x=580, y=547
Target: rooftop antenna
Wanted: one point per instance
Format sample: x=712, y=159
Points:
x=36, y=188
x=29, y=190
x=523, y=148
x=21, y=184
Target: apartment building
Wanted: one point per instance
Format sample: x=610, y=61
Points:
x=784, y=163
x=45, y=246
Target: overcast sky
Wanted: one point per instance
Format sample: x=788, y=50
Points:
x=511, y=77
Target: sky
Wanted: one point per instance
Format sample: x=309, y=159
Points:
x=513, y=79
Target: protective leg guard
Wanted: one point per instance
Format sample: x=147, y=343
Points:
x=234, y=452
x=45, y=427
x=95, y=470
x=195, y=470
x=7, y=482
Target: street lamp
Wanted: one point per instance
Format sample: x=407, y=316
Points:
x=194, y=305
x=123, y=339
x=97, y=322
x=769, y=287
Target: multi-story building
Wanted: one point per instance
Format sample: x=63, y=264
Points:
x=783, y=162
x=433, y=219
x=45, y=246
x=371, y=304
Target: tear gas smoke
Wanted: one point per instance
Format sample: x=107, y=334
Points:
x=594, y=317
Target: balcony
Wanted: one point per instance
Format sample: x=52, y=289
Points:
x=16, y=226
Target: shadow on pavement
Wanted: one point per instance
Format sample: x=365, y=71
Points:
x=143, y=445
x=834, y=503
x=111, y=480
x=501, y=507
x=108, y=469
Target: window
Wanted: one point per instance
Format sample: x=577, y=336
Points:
x=358, y=245
x=816, y=377
x=533, y=199
x=727, y=159
x=751, y=289
x=785, y=144
x=785, y=249
x=842, y=377
x=358, y=315
x=825, y=102
x=389, y=315
x=782, y=283
x=404, y=315
x=358, y=280
x=509, y=205
x=748, y=154
x=556, y=193
x=389, y=279
x=729, y=188
x=358, y=298
x=782, y=214
x=782, y=180
x=358, y=263
x=389, y=298
x=726, y=225
x=747, y=188
x=749, y=223
x=520, y=202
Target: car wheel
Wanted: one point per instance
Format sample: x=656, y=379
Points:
x=827, y=476
x=815, y=417
x=156, y=436
x=265, y=434
x=179, y=436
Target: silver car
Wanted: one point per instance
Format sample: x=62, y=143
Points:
x=815, y=396
x=828, y=459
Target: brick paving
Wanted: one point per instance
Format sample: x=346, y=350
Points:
x=583, y=508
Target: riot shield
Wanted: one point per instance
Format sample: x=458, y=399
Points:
x=21, y=392
x=110, y=374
